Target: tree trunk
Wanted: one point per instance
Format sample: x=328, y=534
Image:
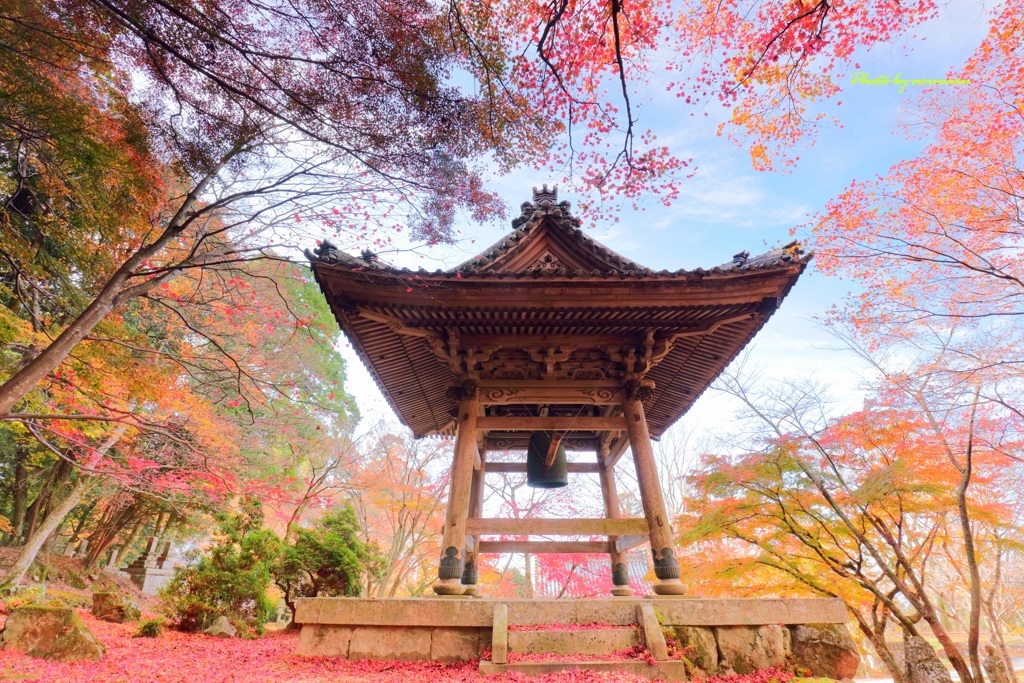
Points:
x=931, y=617
x=974, y=627
x=106, y=533
x=126, y=547
x=19, y=498
x=76, y=531
x=883, y=651
x=112, y=295
x=31, y=548
x=34, y=542
x=995, y=624
x=60, y=473
x=50, y=543
x=23, y=381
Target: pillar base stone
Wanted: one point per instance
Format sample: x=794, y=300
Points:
x=622, y=591
x=472, y=591
x=449, y=587
x=669, y=587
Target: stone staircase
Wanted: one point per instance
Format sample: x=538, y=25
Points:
x=576, y=645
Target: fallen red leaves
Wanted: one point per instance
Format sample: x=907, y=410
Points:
x=187, y=658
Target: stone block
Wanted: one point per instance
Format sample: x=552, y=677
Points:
x=404, y=644
x=307, y=610
x=745, y=649
x=221, y=628
x=653, y=636
x=397, y=612
x=115, y=607
x=499, y=635
x=324, y=640
x=701, y=642
x=454, y=644
x=616, y=611
x=150, y=579
x=750, y=611
x=826, y=650
x=54, y=633
x=580, y=642
x=485, y=640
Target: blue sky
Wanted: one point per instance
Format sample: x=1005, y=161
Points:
x=728, y=206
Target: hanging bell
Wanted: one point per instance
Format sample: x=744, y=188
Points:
x=546, y=466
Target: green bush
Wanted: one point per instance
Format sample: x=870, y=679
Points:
x=328, y=559
x=149, y=628
x=231, y=578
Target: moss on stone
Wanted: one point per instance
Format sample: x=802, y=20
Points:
x=54, y=633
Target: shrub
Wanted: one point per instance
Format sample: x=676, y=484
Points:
x=231, y=578
x=149, y=628
x=329, y=559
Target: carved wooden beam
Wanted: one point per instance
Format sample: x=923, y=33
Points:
x=556, y=527
x=552, y=395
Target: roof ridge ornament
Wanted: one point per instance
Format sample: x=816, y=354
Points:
x=324, y=252
x=545, y=203
x=544, y=194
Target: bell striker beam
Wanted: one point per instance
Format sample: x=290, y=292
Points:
x=452, y=568
x=666, y=569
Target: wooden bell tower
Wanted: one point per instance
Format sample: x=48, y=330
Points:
x=548, y=330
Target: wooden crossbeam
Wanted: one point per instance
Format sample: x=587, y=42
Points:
x=624, y=543
x=543, y=547
x=516, y=467
x=552, y=424
x=616, y=447
x=478, y=526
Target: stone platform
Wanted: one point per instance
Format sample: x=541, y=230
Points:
x=724, y=635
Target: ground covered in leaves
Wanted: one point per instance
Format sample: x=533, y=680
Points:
x=186, y=658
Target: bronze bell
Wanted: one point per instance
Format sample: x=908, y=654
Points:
x=546, y=466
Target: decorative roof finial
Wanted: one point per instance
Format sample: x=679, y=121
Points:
x=545, y=194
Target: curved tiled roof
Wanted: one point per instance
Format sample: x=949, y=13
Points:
x=547, y=278
x=489, y=264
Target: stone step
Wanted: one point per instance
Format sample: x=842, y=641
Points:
x=670, y=671
x=591, y=641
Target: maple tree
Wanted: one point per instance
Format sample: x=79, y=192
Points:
x=397, y=489
x=935, y=242
x=177, y=378
x=226, y=96
x=860, y=506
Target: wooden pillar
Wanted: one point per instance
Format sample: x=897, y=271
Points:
x=476, y=508
x=451, y=567
x=665, y=566
x=620, y=577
